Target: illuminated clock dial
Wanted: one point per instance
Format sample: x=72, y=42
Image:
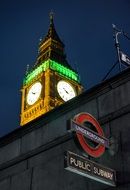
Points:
x=65, y=90
x=34, y=93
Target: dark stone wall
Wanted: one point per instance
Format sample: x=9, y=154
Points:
x=32, y=157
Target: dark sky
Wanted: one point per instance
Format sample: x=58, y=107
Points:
x=85, y=26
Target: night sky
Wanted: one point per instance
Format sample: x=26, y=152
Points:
x=85, y=27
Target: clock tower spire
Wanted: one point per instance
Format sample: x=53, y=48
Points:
x=51, y=47
x=51, y=82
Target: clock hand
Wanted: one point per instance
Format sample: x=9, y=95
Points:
x=65, y=90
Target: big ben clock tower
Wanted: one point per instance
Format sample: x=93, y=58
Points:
x=51, y=82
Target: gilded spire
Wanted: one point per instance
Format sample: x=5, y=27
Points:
x=51, y=15
x=51, y=31
x=54, y=47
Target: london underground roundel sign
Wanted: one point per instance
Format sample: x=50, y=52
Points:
x=95, y=134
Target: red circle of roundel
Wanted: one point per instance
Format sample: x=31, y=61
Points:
x=98, y=150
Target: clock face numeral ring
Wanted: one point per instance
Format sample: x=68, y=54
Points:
x=34, y=93
x=65, y=90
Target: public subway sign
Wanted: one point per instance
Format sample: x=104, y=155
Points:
x=89, y=134
x=93, y=142
x=90, y=169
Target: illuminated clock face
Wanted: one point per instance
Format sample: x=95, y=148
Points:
x=65, y=90
x=34, y=93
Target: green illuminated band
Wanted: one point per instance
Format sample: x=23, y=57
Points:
x=68, y=73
